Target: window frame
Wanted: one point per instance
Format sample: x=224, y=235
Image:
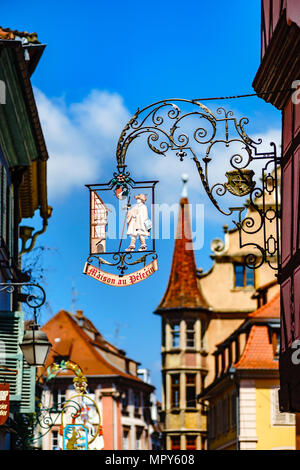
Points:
x=175, y=392
x=245, y=270
x=175, y=334
x=191, y=446
x=54, y=437
x=188, y=387
x=59, y=397
x=176, y=446
x=192, y=332
x=138, y=438
x=125, y=437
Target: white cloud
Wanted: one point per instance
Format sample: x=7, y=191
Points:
x=80, y=138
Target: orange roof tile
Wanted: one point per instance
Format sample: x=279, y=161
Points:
x=9, y=34
x=183, y=290
x=258, y=352
x=85, y=351
x=270, y=310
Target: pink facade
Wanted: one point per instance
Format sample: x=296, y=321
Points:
x=279, y=72
x=112, y=428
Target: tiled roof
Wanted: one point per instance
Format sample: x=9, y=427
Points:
x=9, y=34
x=84, y=350
x=270, y=310
x=182, y=290
x=258, y=352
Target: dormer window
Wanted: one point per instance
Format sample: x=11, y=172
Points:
x=243, y=276
x=275, y=338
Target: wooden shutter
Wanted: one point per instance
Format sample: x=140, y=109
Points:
x=11, y=335
x=28, y=389
x=286, y=213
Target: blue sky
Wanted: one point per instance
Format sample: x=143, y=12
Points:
x=102, y=61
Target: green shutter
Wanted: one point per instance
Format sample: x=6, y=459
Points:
x=11, y=335
x=28, y=389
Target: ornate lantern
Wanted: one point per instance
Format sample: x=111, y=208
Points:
x=35, y=346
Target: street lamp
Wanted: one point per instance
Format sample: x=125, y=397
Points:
x=35, y=346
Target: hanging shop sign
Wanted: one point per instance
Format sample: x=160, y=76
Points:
x=80, y=417
x=4, y=403
x=122, y=231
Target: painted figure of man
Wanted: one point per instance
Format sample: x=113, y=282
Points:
x=137, y=219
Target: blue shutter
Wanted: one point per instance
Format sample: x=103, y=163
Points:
x=11, y=335
x=28, y=389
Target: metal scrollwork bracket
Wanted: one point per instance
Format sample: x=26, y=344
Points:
x=31, y=299
x=199, y=132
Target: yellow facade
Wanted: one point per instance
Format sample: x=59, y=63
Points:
x=269, y=433
x=271, y=436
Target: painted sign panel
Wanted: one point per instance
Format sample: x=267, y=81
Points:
x=121, y=281
x=75, y=437
x=4, y=403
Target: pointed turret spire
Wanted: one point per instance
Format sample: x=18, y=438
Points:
x=183, y=290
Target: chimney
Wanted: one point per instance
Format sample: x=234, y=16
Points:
x=79, y=313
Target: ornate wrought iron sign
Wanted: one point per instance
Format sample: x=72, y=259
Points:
x=220, y=148
x=80, y=418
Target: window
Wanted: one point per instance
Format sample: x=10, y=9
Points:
x=175, y=334
x=175, y=390
x=225, y=415
x=6, y=209
x=59, y=397
x=191, y=443
x=138, y=443
x=59, y=359
x=175, y=442
x=219, y=418
x=54, y=440
x=275, y=336
x=137, y=403
x=190, y=334
x=278, y=418
x=191, y=390
x=125, y=439
x=233, y=410
x=202, y=336
x=211, y=422
x=124, y=399
x=243, y=276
